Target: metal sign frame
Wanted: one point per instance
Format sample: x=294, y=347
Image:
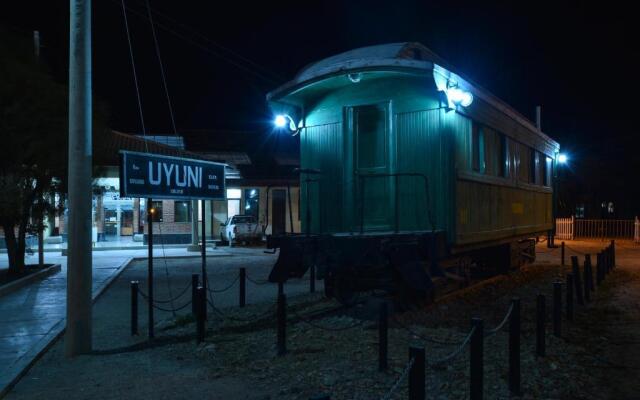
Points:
x=125, y=187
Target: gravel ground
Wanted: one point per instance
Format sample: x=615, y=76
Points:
x=336, y=351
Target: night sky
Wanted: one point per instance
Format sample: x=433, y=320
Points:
x=579, y=62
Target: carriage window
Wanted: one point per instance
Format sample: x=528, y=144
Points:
x=477, y=148
x=523, y=163
x=503, y=156
x=370, y=129
x=533, y=170
x=547, y=170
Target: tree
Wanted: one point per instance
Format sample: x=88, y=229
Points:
x=33, y=145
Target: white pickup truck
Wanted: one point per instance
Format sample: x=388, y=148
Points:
x=241, y=228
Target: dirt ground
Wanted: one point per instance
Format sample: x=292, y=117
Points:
x=336, y=351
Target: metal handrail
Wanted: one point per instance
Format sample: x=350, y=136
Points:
x=396, y=197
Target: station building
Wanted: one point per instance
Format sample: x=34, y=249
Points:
x=271, y=195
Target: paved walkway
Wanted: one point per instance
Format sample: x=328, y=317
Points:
x=32, y=317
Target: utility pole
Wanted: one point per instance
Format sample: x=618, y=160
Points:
x=36, y=52
x=79, y=263
x=36, y=44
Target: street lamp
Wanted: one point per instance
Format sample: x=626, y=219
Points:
x=562, y=158
x=282, y=120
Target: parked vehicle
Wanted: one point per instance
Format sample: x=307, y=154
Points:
x=241, y=228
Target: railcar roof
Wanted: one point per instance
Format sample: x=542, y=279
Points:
x=403, y=55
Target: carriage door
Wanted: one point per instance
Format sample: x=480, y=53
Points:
x=370, y=134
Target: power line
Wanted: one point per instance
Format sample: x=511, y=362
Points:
x=135, y=75
x=164, y=79
x=218, y=45
x=205, y=48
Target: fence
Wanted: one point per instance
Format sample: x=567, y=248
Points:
x=579, y=286
x=572, y=228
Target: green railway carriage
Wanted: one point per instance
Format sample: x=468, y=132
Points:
x=398, y=148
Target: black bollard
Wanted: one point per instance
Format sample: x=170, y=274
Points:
x=592, y=286
x=312, y=279
x=134, y=307
x=416, y=373
x=562, y=253
x=201, y=312
x=514, y=348
x=557, y=308
x=540, y=325
x=607, y=259
x=282, y=324
x=613, y=253
x=243, y=287
x=195, y=282
x=280, y=288
x=569, y=297
x=577, y=282
x=598, y=269
x=476, y=367
x=586, y=285
x=383, y=327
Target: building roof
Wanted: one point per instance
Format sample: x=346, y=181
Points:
x=108, y=144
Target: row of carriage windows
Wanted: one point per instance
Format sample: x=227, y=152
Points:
x=492, y=153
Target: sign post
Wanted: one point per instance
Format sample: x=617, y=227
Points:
x=164, y=177
x=150, y=212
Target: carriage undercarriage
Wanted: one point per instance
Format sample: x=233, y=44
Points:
x=411, y=267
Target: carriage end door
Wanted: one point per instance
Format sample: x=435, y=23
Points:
x=369, y=126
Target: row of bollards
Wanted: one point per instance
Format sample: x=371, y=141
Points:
x=575, y=285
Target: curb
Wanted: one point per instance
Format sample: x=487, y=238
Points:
x=25, y=280
x=22, y=366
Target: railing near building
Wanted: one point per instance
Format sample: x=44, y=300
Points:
x=564, y=228
x=572, y=228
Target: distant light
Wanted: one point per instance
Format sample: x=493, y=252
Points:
x=459, y=96
x=280, y=121
x=562, y=158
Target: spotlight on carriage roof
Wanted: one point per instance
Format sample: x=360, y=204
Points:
x=281, y=120
x=459, y=96
x=562, y=158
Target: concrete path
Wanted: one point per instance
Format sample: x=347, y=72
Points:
x=34, y=316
